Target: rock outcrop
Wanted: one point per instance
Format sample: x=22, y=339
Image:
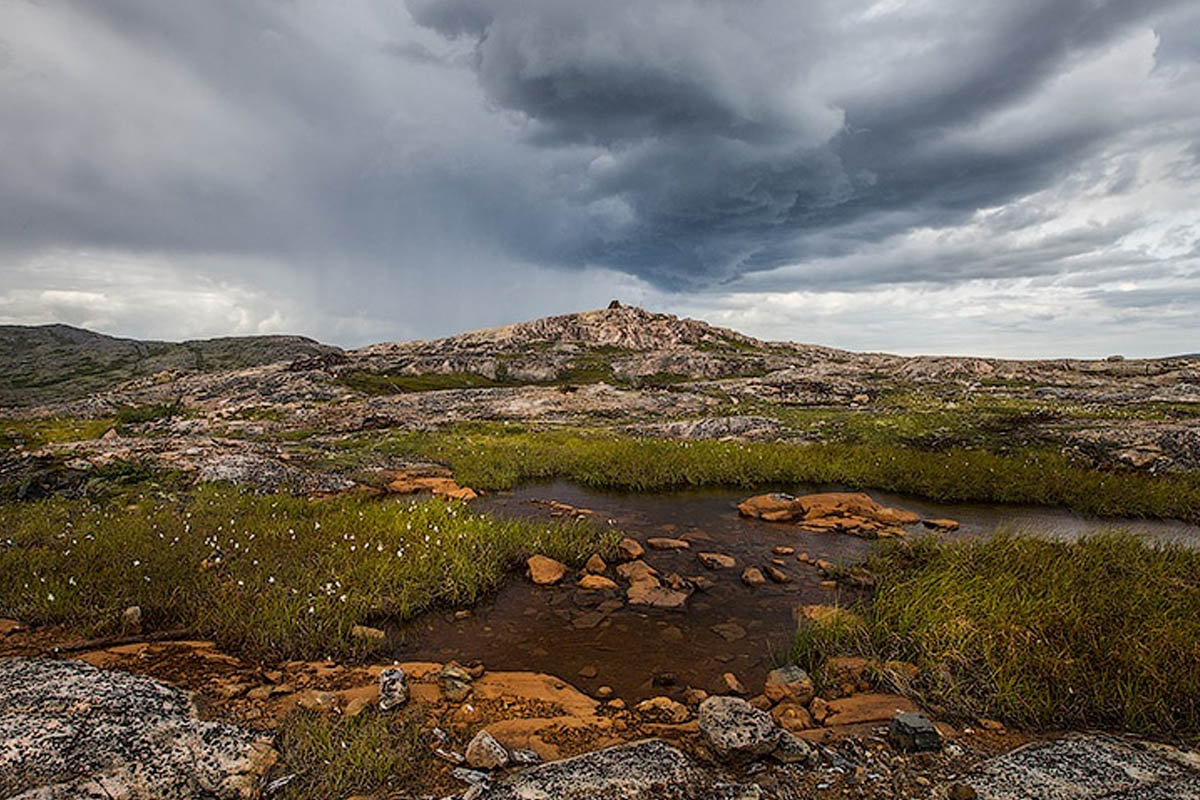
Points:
x=70, y=731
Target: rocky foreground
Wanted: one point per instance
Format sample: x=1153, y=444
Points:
x=71, y=730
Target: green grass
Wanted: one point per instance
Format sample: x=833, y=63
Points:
x=369, y=754
x=51, y=430
x=294, y=575
x=1104, y=632
x=135, y=415
x=493, y=457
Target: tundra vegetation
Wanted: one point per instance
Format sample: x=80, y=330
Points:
x=269, y=576
x=1103, y=632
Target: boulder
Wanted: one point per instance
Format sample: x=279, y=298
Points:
x=70, y=731
x=484, y=752
x=647, y=770
x=736, y=731
x=545, y=571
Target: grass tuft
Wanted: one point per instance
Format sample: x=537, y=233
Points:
x=496, y=458
x=1103, y=632
x=268, y=576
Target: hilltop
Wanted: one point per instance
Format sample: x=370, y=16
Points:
x=45, y=363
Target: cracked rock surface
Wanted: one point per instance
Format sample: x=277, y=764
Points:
x=71, y=731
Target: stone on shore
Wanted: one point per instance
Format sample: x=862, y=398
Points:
x=736, y=731
x=545, y=571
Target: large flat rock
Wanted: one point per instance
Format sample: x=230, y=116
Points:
x=1088, y=767
x=70, y=731
x=647, y=770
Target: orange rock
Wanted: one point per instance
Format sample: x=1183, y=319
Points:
x=630, y=549
x=779, y=506
x=596, y=583
x=545, y=571
x=941, y=524
x=867, y=708
x=792, y=716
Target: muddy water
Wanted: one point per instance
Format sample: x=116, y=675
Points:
x=593, y=639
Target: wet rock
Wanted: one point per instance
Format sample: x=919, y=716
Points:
x=776, y=574
x=941, y=524
x=656, y=595
x=736, y=731
x=596, y=583
x=629, y=549
x=645, y=770
x=595, y=565
x=783, y=550
x=393, y=688
x=667, y=543
x=716, y=560
x=752, y=576
x=789, y=683
x=545, y=571
x=484, y=752
x=663, y=709
x=914, y=732
x=588, y=671
x=732, y=683
x=729, y=631
x=69, y=731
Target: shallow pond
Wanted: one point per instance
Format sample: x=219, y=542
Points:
x=592, y=640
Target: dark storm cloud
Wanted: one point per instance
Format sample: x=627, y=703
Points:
x=387, y=159
x=732, y=157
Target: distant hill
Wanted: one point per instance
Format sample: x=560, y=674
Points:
x=41, y=363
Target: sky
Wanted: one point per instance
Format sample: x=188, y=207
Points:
x=1015, y=178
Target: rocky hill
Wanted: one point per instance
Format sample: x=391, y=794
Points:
x=621, y=367
x=45, y=363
